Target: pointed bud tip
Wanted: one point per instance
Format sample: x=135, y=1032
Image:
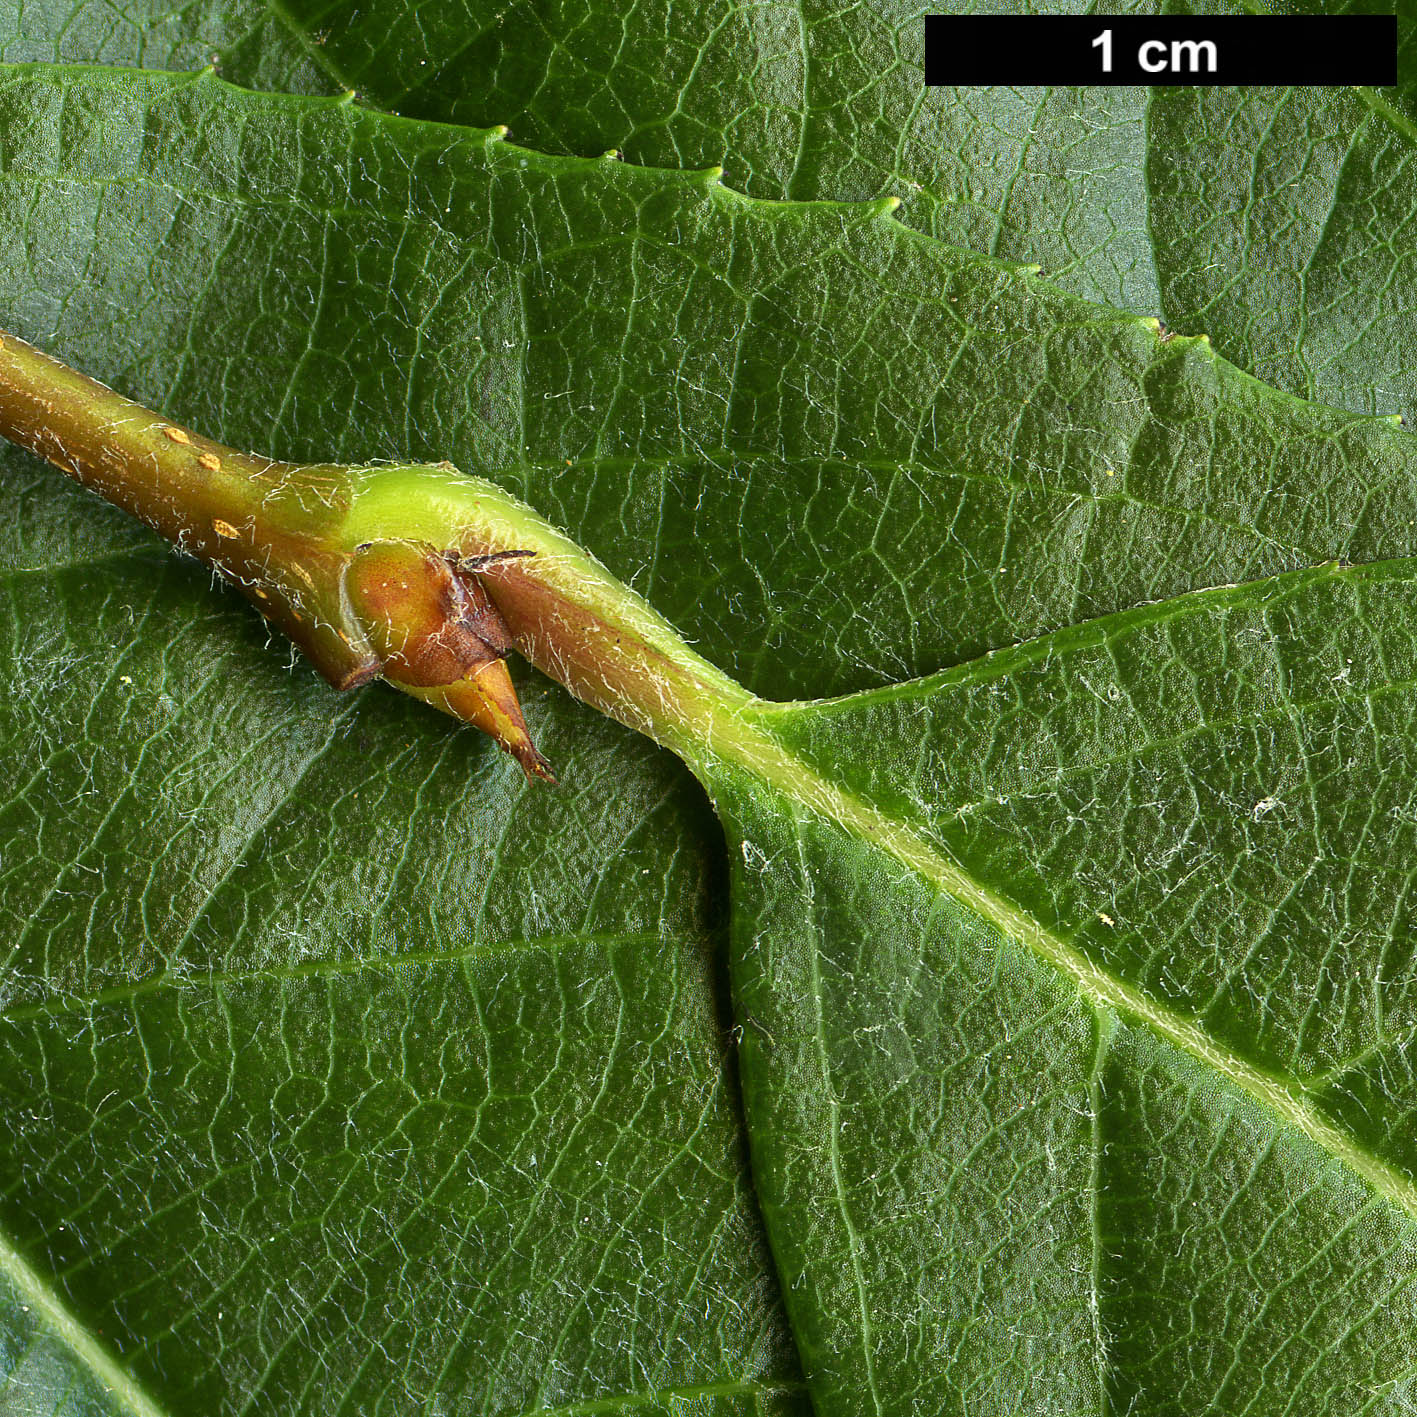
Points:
x=532, y=763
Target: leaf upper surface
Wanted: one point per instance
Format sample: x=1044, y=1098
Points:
x=340, y=1070
x=1077, y=984
x=967, y=453
x=1276, y=220
x=1009, y=1154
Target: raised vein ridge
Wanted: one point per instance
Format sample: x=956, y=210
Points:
x=782, y=770
x=611, y=649
x=40, y=1294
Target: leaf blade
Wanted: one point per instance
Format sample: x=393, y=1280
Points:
x=1361, y=461
x=905, y=924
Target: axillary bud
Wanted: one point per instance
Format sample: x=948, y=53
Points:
x=434, y=630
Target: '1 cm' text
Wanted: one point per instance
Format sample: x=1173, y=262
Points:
x=1156, y=56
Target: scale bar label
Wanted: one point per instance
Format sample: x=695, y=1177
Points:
x=1111, y=50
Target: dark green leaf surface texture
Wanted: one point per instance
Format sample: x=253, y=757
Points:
x=1274, y=220
x=340, y=1070
x=260, y=38
x=1168, y=809
x=882, y=453
x=1277, y=221
x=1063, y=998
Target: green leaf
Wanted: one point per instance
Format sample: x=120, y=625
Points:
x=321, y=1011
x=48, y=1363
x=1276, y=220
x=1082, y=1014
x=792, y=103
x=261, y=39
x=647, y=352
x=1284, y=228
x=340, y=1068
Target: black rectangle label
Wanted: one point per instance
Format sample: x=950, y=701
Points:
x=1161, y=49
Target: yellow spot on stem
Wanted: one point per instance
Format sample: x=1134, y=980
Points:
x=210, y=461
x=224, y=529
x=178, y=435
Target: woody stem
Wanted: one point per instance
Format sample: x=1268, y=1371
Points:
x=285, y=535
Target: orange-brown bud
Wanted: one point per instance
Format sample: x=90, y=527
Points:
x=433, y=628
x=487, y=700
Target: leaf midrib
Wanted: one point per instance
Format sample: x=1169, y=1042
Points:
x=734, y=738
x=787, y=774
x=41, y=1294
